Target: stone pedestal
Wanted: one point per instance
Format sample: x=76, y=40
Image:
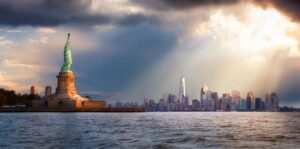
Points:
x=66, y=83
x=66, y=89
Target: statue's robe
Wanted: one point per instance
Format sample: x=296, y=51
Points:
x=66, y=67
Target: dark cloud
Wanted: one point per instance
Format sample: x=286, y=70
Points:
x=194, y=3
x=136, y=19
x=288, y=7
x=182, y=4
x=59, y=12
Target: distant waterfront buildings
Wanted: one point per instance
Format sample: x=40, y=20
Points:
x=118, y=104
x=211, y=101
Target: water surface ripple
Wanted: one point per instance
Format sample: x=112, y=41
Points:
x=150, y=130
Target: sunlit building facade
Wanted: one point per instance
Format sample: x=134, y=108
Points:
x=182, y=92
x=271, y=102
x=204, y=94
x=235, y=99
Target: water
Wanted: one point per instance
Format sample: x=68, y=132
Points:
x=150, y=130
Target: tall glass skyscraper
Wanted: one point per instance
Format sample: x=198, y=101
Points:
x=203, y=96
x=182, y=91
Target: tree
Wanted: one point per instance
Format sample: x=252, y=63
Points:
x=10, y=97
x=3, y=100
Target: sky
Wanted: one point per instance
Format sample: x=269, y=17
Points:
x=129, y=50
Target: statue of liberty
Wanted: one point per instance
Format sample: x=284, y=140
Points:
x=66, y=67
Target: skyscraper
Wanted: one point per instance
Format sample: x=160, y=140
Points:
x=165, y=97
x=48, y=91
x=204, y=90
x=214, y=99
x=172, y=100
x=267, y=101
x=243, y=104
x=185, y=101
x=236, y=97
x=225, y=102
x=182, y=92
x=271, y=101
x=203, y=96
x=195, y=105
x=258, y=104
x=274, y=101
x=250, y=101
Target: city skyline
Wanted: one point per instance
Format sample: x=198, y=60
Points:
x=128, y=49
x=211, y=101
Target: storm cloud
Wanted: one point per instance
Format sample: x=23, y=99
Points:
x=61, y=12
x=288, y=7
x=182, y=4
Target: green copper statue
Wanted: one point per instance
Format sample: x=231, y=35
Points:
x=66, y=67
